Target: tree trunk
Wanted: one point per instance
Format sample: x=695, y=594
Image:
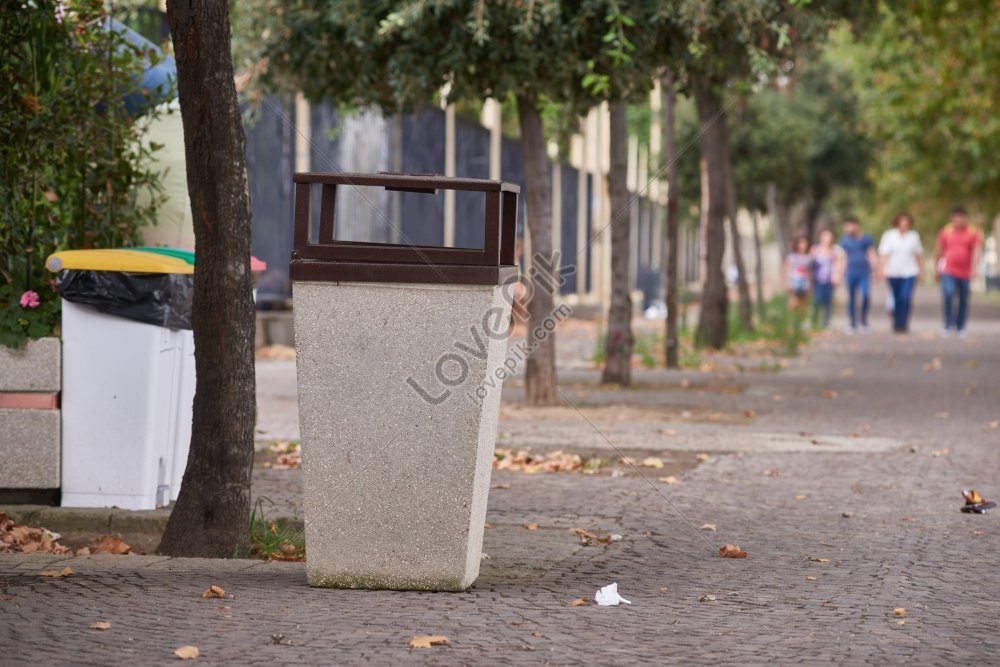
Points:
x=759, y=267
x=540, y=368
x=212, y=513
x=672, y=275
x=714, y=147
x=618, y=342
x=778, y=213
x=743, y=285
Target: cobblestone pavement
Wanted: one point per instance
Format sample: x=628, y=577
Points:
x=847, y=502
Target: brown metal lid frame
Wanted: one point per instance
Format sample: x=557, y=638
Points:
x=330, y=260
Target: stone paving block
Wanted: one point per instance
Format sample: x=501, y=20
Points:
x=29, y=448
x=36, y=366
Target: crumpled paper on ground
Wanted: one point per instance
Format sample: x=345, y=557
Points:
x=608, y=596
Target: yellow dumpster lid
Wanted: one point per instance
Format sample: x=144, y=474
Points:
x=133, y=261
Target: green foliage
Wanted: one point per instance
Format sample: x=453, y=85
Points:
x=73, y=164
x=929, y=81
x=780, y=325
x=272, y=539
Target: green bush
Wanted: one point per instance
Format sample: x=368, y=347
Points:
x=74, y=171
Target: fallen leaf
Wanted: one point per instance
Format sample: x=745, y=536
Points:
x=427, y=641
x=186, y=652
x=732, y=551
x=213, y=591
x=530, y=526
x=828, y=393
x=65, y=572
x=668, y=431
x=777, y=398
x=484, y=556
x=817, y=559
x=937, y=453
x=994, y=424
x=500, y=486
x=972, y=497
x=977, y=533
x=579, y=602
x=748, y=413
x=847, y=515
x=801, y=497
x=109, y=544
x=706, y=598
x=900, y=622
x=707, y=526
x=771, y=472
x=664, y=589
x=652, y=462
x=99, y=625
x=703, y=456
x=670, y=479
x=899, y=611
x=810, y=578
x=83, y=551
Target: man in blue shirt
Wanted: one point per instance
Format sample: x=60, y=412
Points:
x=857, y=263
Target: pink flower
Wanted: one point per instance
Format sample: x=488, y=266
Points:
x=30, y=299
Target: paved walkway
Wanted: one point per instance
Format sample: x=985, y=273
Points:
x=841, y=477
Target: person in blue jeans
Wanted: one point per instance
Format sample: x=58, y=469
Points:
x=825, y=257
x=857, y=263
x=902, y=256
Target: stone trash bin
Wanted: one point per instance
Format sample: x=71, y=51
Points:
x=400, y=352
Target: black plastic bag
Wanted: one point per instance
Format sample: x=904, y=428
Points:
x=163, y=299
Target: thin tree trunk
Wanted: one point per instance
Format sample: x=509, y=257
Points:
x=714, y=146
x=618, y=342
x=672, y=275
x=212, y=513
x=540, y=368
x=759, y=266
x=743, y=285
x=778, y=213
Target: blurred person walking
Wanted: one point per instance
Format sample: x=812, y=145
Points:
x=956, y=258
x=798, y=276
x=901, y=254
x=857, y=263
x=825, y=258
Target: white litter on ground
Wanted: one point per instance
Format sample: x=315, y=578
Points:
x=608, y=596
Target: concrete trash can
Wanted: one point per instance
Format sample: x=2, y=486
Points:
x=399, y=359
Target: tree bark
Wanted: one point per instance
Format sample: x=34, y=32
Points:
x=778, y=213
x=758, y=267
x=618, y=342
x=540, y=367
x=672, y=265
x=743, y=285
x=714, y=147
x=212, y=513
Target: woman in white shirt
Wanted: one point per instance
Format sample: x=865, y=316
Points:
x=901, y=262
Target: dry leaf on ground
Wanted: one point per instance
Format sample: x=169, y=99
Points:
x=899, y=611
x=99, y=625
x=500, y=486
x=771, y=472
x=28, y=540
x=707, y=526
x=427, y=641
x=531, y=463
x=579, y=602
x=707, y=598
x=670, y=479
x=186, y=652
x=817, y=559
x=732, y=551
x=65, y=572
x=213, y=591
x=801, y=497
x=828, y=393
x=703, y=456
x=652, y=462
x=109, y=544
x=530, y=526
x=972, y=497
x=810, y=578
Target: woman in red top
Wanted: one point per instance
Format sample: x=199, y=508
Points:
x=958, y=248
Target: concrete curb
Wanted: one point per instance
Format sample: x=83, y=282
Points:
x=70, y=521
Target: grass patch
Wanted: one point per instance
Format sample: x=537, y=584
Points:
x=272, y=539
